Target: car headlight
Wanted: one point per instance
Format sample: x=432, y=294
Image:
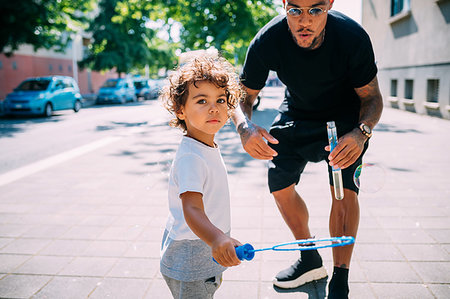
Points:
x=41, y=96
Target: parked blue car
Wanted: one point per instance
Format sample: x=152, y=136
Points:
x=43, y=95
x=117, y=91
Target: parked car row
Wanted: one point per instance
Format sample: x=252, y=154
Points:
x=43, y=95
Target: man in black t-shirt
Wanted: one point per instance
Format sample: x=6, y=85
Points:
x=326, y=61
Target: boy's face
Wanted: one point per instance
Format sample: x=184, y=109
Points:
x=205, y=111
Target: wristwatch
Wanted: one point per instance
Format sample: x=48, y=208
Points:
x=365, y=130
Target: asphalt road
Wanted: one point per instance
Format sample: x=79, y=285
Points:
x=25, y=140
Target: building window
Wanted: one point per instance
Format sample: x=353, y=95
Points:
x=14, y=65
x=409, y=89
x=433, y=90
x=60, y=68
x=69, y=68
x=1, y=65
x=50, y=67
x=394, y=88
x=398, y=6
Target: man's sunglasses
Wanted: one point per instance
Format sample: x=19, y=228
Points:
x=313, y=11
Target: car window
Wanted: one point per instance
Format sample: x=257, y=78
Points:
x=110, y=83
x=34, y=85
x=139, y=84
x=59, y=85
x=68, y=83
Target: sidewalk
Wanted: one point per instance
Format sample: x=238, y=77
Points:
x=91, y=226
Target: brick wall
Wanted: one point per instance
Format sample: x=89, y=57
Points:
x=15, y=69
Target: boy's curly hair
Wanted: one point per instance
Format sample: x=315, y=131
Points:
x=214, y=69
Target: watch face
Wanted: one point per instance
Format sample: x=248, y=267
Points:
x=367, y=129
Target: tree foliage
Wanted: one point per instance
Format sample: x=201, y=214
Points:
x=229, y=26
x=122, y=39
x=122, y=33
x=40, y=23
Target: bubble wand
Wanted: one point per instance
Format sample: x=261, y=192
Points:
x=337, y=174
x=247, y=252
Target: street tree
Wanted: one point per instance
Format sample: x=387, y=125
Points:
x=229, y=26
x=42, y=24
x=122, y=39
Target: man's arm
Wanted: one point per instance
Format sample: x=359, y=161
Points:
x=351, y=145
x=221, y=245
x=251, y=134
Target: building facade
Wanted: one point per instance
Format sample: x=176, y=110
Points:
x=27, y=63
x=411, y=40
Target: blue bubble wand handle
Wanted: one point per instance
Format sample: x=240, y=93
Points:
x=337, y=174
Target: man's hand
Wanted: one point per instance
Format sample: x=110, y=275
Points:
x=252, y=138
x=223, y=251
x=348, y=149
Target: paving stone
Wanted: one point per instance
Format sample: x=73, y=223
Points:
x=143, y=249
x=68, y=287
x=158, y=289
x=66, y=247
x=46, y=265
x=25, y=246
x=22, y=286
x=46, y=231
x=105, y=248
x=89, y=266
x=83, y=232
x=13, y=230
x=433, y=272
x=9, y=262
x=401, y=290
x=237, y=290
x=395, y=272
x=121, y=288
x=440, y=290
x=424, y=252
x=135, y=268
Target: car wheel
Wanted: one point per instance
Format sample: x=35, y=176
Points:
x=48, y=110
x=123, y=100
x=77, y=106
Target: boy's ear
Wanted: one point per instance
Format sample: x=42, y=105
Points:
x=180, y=113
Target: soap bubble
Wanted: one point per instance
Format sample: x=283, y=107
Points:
x=369, y=177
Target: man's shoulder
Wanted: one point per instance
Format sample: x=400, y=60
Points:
x=345, y=27
x=271, y=30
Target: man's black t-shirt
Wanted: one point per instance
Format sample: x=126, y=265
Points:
x=320, y=83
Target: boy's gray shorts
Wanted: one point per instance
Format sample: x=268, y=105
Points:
x=200, y=289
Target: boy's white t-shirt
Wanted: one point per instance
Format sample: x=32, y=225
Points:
x=198, y=168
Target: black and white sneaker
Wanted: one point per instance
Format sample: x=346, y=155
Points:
x=308, y=268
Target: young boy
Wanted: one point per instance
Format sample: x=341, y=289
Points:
x=201, y=95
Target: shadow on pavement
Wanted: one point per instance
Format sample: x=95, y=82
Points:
x=315, y=289
x=10, y=125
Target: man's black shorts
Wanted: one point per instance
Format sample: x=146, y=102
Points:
x=301, y=142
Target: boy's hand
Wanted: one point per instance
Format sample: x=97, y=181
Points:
x=223, y=251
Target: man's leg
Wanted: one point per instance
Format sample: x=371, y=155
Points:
x=344, y=221
x=295, y=213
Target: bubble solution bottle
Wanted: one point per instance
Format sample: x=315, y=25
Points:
x=337, y=174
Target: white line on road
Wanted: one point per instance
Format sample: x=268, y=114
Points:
x=24, y=171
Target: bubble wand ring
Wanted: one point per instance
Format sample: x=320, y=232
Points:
x=247, y=252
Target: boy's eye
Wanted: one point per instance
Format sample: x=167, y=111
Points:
x=221, y=101
x=201, y=101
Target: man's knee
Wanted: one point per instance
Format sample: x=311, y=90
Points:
x=285, y=194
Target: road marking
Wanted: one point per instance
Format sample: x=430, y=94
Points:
x=32, y=168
